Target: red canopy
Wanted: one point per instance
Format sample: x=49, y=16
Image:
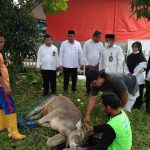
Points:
x=109, y=16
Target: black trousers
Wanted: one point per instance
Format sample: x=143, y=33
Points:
x=147, y=97
x=88, y=84
x=67, y=73
x=49, y=78
x=138, y=102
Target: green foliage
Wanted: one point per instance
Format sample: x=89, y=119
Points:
x=54, y=6
x=20, y=32
x=141, y=8
x=31, y=76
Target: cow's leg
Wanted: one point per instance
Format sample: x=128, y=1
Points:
x=34, y=112
x=47, y=118
x=56, y=140
x=46, y=125
x=36, y=117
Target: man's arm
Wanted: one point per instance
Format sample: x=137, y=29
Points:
x=80, y=54
x=90, y=107
x=85, y=54
x=120, y=60
x=61, y=54
x=6, y=87
x=124, y=99
x=38, y=61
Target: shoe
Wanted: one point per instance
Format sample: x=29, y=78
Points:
x=11, y=123
x=2, y=120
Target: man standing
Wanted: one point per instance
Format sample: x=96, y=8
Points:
x=47, y=62
x=71, y=57
x=8, y=117
x=92, y=50
x=124, y=86
x=112, y=56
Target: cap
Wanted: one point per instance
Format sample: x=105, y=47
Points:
x=110, y=36
x=71, y=32
x=93, y=74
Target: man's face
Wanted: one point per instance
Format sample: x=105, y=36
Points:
x=2, y=41
x=98, y=82
x=96, y=38
x=48, y=41
x=71, y=38
x=110, y=41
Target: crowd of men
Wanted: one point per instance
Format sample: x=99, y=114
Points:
x=94, y=55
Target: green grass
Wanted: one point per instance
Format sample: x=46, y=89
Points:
x=27, y=95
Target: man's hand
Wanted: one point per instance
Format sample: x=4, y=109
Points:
x=88, y=127
x=7, y=90
x=61, y=69
x=141, y=70
x=89, y=67
x=87, y=119
x=129, y=74
x=58, y=69
x=38, y=70
x=82, y=67
x=96, y=66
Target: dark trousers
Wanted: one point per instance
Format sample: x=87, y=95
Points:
x=67, y=73
x=147, y=97
x=138, y=102
x=88, y=84
x=49, y=77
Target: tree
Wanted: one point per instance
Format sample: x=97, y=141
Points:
x=54, y=6
x=49, y=6
x=20, y=28
x=141, y=8
x=21, y=34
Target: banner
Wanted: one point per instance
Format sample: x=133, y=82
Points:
x=108, y=16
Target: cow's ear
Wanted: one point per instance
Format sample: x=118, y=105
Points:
x=79, y=124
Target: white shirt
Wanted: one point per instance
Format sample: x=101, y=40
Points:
x=71, y=55
x=47, y=57
x=140, y=76
x=112, y=59
x=92, y=52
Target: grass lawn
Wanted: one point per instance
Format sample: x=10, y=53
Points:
x=28, y=93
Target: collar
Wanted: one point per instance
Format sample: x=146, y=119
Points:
x=48, y=46
x=71, y=43
x=113, y=46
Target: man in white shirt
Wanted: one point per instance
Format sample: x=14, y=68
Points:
x=71, y=57
x=112, y=56
x=92, y=50
x=47, y=62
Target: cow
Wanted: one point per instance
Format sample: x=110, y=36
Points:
x=60, y=114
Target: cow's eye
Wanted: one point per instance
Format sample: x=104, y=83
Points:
x=77, y=145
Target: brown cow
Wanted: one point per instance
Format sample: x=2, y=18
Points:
x=62, y=115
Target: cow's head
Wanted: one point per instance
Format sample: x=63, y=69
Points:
x=78, y=136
